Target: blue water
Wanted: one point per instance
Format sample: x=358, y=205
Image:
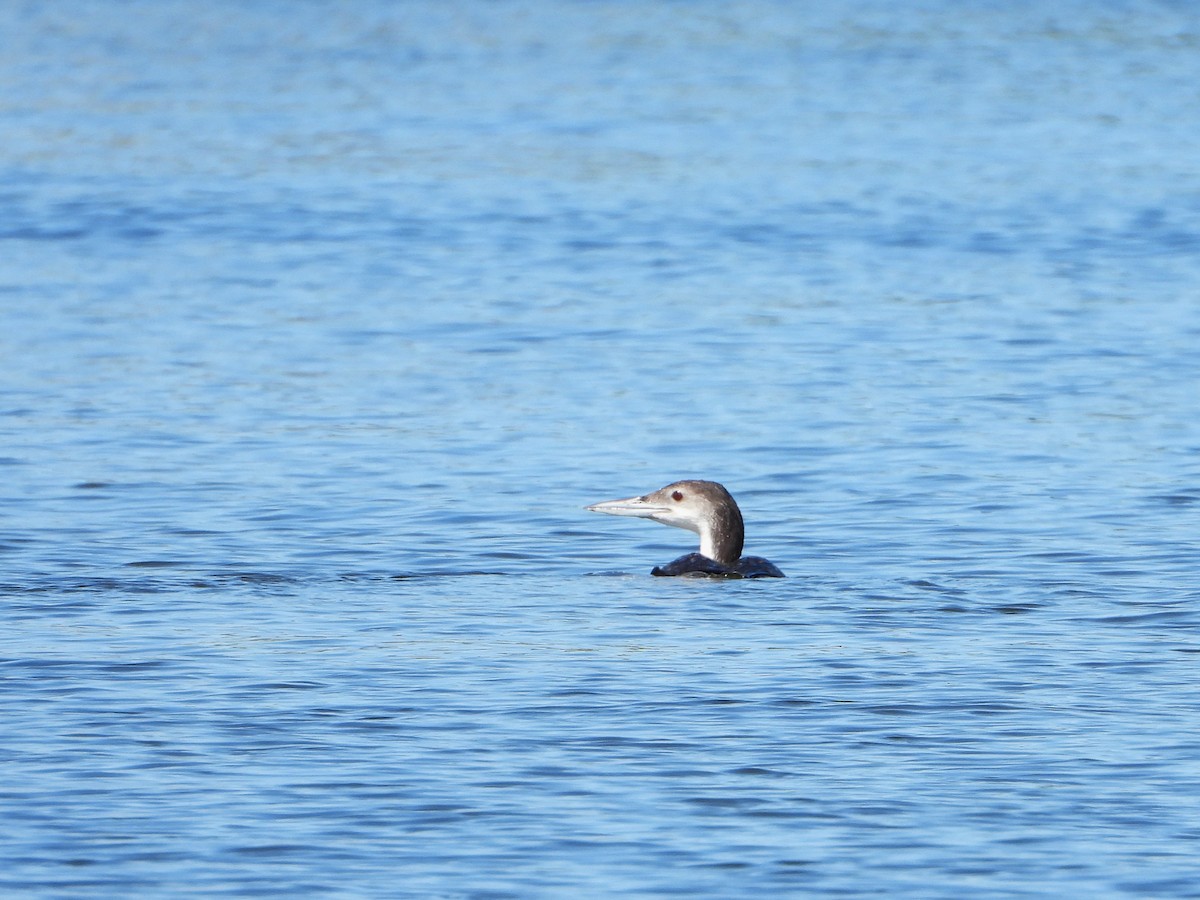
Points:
x=320, y=323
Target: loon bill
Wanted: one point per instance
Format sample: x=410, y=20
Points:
x=706, y=508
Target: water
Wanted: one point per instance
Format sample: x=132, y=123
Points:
x=320, y=323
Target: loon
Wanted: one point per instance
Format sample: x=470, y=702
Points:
x=706, y=508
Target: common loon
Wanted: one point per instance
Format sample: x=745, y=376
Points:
x=706, y=508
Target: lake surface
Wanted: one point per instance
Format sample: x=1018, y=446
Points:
x=320, y=323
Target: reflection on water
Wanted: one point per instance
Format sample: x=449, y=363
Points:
x=320, y=326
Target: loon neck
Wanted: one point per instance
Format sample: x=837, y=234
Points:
x=722, y=533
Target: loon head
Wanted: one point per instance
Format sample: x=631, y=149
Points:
x=704, y=507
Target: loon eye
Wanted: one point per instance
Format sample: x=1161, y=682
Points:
x=677, y=496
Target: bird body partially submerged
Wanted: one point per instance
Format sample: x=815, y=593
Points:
x=706, y=508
